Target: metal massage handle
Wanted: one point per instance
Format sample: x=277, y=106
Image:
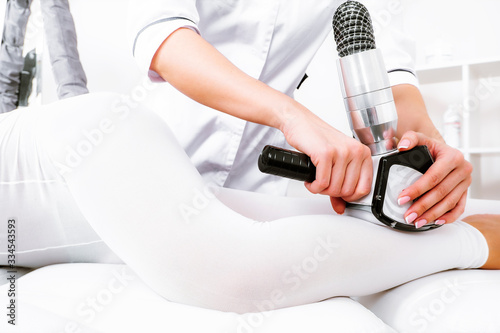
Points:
x=287, y=163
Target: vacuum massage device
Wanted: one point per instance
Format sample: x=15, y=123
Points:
x=373, y=120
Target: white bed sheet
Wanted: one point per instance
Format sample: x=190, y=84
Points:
x=110, y=298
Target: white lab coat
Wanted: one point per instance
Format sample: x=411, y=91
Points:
x=271, y=40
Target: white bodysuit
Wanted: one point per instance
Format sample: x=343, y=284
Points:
x=87, y=181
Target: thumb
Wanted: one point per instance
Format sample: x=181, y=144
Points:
x=408, y=141
x=338, y=205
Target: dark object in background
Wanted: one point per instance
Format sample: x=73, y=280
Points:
x=27, y=76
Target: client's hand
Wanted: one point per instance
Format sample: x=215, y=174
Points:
x=343, y=165
x=445, y=184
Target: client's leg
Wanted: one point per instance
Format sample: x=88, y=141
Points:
x=489, y=226
x=141, y=194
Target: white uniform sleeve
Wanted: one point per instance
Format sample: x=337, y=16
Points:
x=152, y=21
x=397, y=48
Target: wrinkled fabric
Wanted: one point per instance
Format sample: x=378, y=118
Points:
x=17, y=14
x=60, y=34
x=61, y=38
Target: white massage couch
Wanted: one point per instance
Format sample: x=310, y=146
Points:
x=111, y=298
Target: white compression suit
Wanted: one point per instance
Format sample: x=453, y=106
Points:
x=81, y=175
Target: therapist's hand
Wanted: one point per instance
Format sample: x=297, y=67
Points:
x=444, y=186
x=344, y=169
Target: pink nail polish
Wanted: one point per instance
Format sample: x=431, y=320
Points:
x=440, y=222
x=404, y=144
x=410, y=218
x=420, y=223
x=403, y=200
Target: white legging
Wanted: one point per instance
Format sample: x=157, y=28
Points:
x=90, y=172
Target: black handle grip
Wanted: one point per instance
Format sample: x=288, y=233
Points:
x=287, y=163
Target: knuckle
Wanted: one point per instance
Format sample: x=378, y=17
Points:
x=458, y=157
x=347, y=192
x=336, y=191
x=332, y=191
x=410, y=134
x=366, y=151
x=434, y=179
x=325, y=154
x=441, y=191
x=365, y=190
x=321, y=184
x=423, y=206
x=449, y=205
x=359, y=150
x=468, y=167
x=460, y=210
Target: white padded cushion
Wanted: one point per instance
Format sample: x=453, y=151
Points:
x=455, y=301
x=110, y=298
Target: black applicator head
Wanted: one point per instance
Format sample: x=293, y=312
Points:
x=353, y=29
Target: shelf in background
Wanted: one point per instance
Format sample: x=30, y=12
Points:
x=479, y=150
x=475, y=86
x=439, y=74
x=446, y=72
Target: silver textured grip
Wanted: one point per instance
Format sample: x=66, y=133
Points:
x=365, y=85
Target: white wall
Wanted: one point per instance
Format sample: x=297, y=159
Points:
x=102, y=43
x=469, y=28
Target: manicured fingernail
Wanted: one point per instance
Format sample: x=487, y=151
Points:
x=420, y=223
x=403, y=200
x=404, y=144
x=440, y=222
x=410, y=218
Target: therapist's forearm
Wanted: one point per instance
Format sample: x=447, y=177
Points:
x=201, y=72
x=412, y=113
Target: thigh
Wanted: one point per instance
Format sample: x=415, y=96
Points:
x=39, y=218
x=139, y=191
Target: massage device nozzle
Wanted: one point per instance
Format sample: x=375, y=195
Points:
x=364, y=82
